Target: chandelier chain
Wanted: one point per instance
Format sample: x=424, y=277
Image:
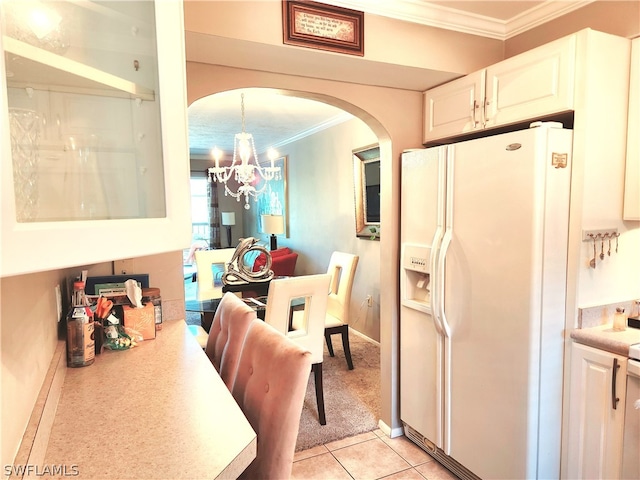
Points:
x=242, y=110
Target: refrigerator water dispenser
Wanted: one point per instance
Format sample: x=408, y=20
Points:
x=416, y=277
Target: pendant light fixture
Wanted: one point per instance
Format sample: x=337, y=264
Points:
x=246, y=173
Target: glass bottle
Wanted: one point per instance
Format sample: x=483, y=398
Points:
x=80, y=330
x=619, y=320
x=635, y=309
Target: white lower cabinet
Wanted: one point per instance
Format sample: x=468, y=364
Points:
x=596, y=413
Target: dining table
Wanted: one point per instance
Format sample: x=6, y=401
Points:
x=207, y=308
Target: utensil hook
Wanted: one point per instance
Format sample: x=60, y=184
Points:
x=592, y=263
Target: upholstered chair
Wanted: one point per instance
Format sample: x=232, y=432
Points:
x=342, y=268
x=297, y=307
x=227, y=333
x=269, y=387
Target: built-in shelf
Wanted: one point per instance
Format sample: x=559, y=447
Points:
x=32, y=67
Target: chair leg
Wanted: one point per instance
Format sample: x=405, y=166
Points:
x=317, y=375
x=346, y=347
x=344, y=331
x=327, y=337
x=206, y=319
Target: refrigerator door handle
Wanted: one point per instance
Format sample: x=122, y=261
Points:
x=440, y=313
x=435, y=296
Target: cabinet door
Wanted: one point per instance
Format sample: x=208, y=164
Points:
x=632, y=175
x=533, y=84
x=93, y=128
x=596, y=413
x=453, y=108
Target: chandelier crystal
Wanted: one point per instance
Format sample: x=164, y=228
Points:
x=246, y=174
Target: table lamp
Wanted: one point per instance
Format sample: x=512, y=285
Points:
x=273, y=224
x=228, y=219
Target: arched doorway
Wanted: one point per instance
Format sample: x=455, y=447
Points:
x=316, y=142
x=395, y=116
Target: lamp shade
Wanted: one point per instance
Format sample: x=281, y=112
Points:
x=228, y=218
x=273, y=224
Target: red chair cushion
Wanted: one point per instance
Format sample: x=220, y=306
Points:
x=261, y=260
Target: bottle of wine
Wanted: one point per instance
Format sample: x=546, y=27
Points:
x=80, y=330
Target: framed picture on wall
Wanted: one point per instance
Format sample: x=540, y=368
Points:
x=275, y=199
x=324, y=27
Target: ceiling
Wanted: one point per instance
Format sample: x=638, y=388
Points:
x=275, y=119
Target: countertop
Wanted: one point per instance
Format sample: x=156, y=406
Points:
x=157, y=411
x=605, y=338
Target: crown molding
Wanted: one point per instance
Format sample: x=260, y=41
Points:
x=331, y=122
x=201, y=154
x=424, y=13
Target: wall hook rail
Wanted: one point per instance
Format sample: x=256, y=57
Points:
x=602, y=235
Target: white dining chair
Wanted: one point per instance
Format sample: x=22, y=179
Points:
x=210, y=266
x=342, y=268
x=296, y=307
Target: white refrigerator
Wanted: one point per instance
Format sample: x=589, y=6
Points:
x=484, y=227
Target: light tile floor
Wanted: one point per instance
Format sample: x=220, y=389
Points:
x=369, y=456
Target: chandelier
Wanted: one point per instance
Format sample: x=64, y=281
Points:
x=247, y=175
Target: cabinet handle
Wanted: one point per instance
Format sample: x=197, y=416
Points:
x=614, y=398
x=474, y=107
x=485, y=118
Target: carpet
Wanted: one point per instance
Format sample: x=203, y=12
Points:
x=351, y=397
x=192, y=318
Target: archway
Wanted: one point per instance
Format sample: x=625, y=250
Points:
x=315, y=142
x=397, y=128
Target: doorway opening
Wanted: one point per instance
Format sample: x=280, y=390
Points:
x=200, y=232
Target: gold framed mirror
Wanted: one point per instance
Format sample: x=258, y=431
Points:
x=366, y=177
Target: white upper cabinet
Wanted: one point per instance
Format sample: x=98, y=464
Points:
x=632, y=175
x=533, y=84
x=94, y=134
x=454, y=107
x=536, y=83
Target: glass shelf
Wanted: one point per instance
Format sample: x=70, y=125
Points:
x=32, y=67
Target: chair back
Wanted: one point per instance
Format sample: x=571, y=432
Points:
x=342, y=268
x=226, y=336
x=208, y=261
x=269, y=387
x=307, y=317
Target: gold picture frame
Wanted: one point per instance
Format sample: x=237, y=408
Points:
x=366, y=181
x=324, y=27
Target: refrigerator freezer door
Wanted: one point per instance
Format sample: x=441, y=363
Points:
x=504, y=300
x=422, y=222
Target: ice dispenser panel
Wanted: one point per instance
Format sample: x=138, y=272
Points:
x=416, y=277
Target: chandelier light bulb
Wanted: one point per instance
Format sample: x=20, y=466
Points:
x=43, y=21
x=272, y=154
x=216, y=153
x=244, y=150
